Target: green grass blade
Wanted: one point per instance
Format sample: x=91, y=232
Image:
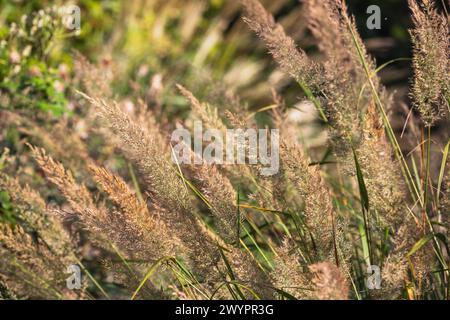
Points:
x=148, y=275
x=441, y=173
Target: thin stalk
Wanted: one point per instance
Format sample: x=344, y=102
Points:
x=427, y=170
x=92, y=278
x=135, y=183
x=308, y=93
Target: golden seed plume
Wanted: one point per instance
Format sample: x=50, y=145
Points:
x=431, y=62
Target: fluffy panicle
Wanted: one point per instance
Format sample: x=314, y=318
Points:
x=346, y=93
x=283, y=49
x=289, y=274
x=38, y=249
x=31, y=210
x=329, y=283
x=210, y=231
x=381, y=173
x=95, y=79
x=249, y=273
x=244, y=174
x=58, y=140
x=338, y=83
x=215, y=186
x=431, y=62
x=207, y=114
x=324, y=21
x=145, y=149
x=309, y=185
x=387, y=194
x=399, y=262
x=128, y=226
x=353, y=115
x=161, y=181
x=327, y=24
x=148, y=236
x=394, y=275
x=325, y=226
x=76, y=195
x=221, y=198
x=31, y=268
x=211, y=120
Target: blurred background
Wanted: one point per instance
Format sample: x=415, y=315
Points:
x=209, y=33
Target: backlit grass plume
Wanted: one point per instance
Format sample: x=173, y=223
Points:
x=431, y=62
x=357, y=208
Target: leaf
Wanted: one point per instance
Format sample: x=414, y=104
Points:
x=148, y=274
x=441, y=172
x=423, y=241
x=230, y=272
x=419, y=244
x=285, y=294
x=362, y=185
x=365, y=206
x=443, y=238
x=5, y=200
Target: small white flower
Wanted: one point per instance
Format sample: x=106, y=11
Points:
x=23, y=19
x=26, y=52
x=16, y=69
x=12, y=28
x=14, y=57
x=59, y=86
